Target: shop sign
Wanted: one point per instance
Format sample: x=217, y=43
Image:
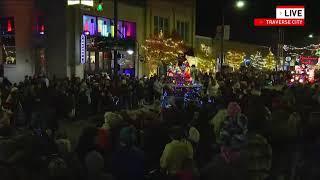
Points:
x=83, y=49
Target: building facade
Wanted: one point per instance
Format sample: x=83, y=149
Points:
x=212, y=47
x=64, y=38
x=20, y=45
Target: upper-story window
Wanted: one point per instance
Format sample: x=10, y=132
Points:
x=104, y=27
x=7, y=40
x=38, y=25
x=161, y=24
x=89, y=24
x=7, y=26
x=126, y=30
x=183, y=30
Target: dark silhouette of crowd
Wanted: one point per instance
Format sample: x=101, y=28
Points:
x=250, y=125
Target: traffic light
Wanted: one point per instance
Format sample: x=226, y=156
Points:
x=100, y=6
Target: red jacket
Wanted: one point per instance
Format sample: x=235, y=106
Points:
x=104, y=139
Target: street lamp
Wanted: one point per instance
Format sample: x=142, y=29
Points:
x=310, y=36
x=240, y=4
x=130, y=51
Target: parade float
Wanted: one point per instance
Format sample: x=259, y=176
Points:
x=181, y=85
x=165, y=56
x=304, y=62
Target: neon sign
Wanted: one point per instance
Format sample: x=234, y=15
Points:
x=83, y=49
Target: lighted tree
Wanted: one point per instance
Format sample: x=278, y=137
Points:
x=206, y=60
x=257, y=61
x=234, y=59
x=270, y=61
x=161, y=51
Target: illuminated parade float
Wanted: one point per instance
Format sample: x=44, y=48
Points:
x=169, y=55
x=305, y=61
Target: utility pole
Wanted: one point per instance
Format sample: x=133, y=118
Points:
x=280, y=43
x=115, y=52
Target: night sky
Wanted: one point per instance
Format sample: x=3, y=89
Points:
x=241, y=21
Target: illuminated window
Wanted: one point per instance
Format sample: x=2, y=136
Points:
x=104, y=28
x=130, y=29
x=39, y=25
x=89, y=24
x=112, y=29
x=7, y=25
x=92, y=57
x=126, y=30
x=7, y=39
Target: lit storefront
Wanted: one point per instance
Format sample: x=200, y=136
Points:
x=99, y=36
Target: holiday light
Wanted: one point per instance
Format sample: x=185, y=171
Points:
x=257, y=61
x=162, y=51
x=235, y=59
x=311, y=47
x=270, y=61
x=206, y=60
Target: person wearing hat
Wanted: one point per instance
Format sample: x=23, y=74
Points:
x=231, y=163
x=233, y=132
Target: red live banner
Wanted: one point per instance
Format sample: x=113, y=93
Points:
x=267, y=22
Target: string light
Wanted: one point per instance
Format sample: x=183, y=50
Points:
x=160, y=50
x=257, y=61
x=205, y=59
x=270, y=61
x=235, y=59
x=311, y=47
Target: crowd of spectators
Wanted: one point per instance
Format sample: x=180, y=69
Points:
x=255, y=127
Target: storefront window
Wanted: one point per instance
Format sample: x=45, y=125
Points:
x=89, y=24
